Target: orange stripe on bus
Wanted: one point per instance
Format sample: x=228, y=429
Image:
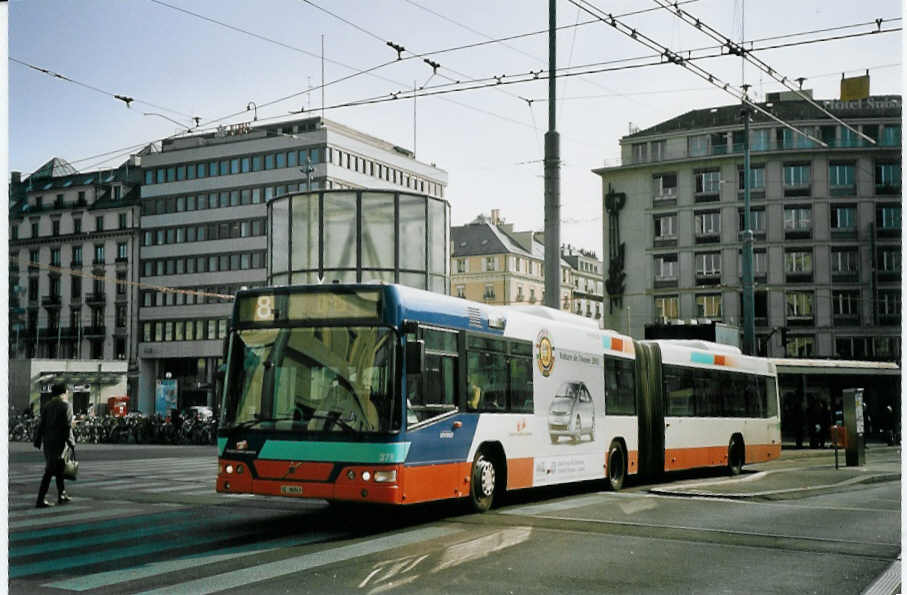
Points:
x=719, y=360
x=435, y=482
x=716, y=456
x=617, y=344
x=633, y=462
x=519, y=473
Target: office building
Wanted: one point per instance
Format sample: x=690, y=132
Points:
x=205, y=233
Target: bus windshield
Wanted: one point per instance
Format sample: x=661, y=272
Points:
x=324, y=379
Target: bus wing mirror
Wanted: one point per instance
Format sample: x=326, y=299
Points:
x=415, y=356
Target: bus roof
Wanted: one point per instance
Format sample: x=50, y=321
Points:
x=834, y=366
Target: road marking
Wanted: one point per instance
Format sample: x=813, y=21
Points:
x=56, y=519
x=113, y=577
x=271, y=570
x=89, y=558
x=888, y=582
x=112, y=523
x=555, y=506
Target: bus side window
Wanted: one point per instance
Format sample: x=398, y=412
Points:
x=521, y=400
x=620, y=387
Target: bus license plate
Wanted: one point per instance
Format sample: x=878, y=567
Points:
x=291, y=490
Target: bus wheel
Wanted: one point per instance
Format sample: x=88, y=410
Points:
x=736, y=456
x=484, y=478
x=617, y=466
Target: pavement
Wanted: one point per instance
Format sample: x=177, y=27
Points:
x=798, y=473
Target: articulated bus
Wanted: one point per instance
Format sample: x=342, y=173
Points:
x=388, y=394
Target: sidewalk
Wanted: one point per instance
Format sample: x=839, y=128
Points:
x=798, y=473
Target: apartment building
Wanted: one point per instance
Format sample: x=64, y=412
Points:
x=73, y=273
x=826, y=222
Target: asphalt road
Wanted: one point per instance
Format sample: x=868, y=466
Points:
x=146, y=519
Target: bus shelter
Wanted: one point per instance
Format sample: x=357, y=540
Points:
x=812, y=393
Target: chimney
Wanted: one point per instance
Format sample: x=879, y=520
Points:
x=15, y=177
x=496, y=217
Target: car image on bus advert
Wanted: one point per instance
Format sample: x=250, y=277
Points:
x=571, y=413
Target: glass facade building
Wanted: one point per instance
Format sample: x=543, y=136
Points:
x=350, y=236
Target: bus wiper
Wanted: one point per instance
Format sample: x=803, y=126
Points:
x=259, y=419
x=334, y=418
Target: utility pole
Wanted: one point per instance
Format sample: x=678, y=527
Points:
x=749, y=311
x=552, y=175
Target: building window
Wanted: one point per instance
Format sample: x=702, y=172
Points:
x=800, y=346
x=844, y=260
x=760, y=263
x=790, y=139
x=667, y=307
x=34, y=229
x=888, y=217
x=796, y=178
x=666, y=267
x=698, y=146
x=489, y=292
x=55, y=257
x=99, y=253
x=658, y=150
x=843, y=218
x=708, y=182
x=757, y=220
x=461, y=265
x=665, y=226
x=77, y=256
x=890, y=303
x=461, y=291
x=708, y=305
x=665, y=186
x=797, y=219
x=490, y=263
x=845, y=303
x=841, y=178
x=708, y=264
x=76, y=226
x=757, y=179
x=99, y=223
x=800, y=261
x=799, y=304
x=639, y=152
x=760, y=140
x=120, y=315
x=122, y=253
x=55, y=227
x=890, y=259
x=75, y=287
x=707, y=224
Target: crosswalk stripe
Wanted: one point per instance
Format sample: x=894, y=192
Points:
x=118, y=523
x=32, y=512
x=112, y=537
x=263, y=572
x=55, y=519
x=89, y=558
x=113, y=577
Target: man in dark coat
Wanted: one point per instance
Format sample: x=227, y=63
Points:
x=55, y=432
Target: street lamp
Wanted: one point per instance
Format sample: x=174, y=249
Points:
x=251, y=106
x=307, y=170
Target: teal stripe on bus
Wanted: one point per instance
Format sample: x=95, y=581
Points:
x=702, y=358
x=221, y=445
x=349, y=452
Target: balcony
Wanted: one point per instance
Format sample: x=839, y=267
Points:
x=800, y=320
x=708, y=238
x=845, y=277
x=846, y=319
x=97, y=267
x=888, y=276
x=121, y=297
x=798, y=234
x=798, y=190
x=122, y=263
x=843, y=190
x=888, y=189
x=708, y=279
x=799, y=277
x=888, y=232
x=96, y=299
x=93, y=331
x=50, y=301
x=76, y=264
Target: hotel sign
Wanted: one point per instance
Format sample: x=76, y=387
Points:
x=862, y=104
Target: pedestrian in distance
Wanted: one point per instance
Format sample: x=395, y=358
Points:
x=55, y=433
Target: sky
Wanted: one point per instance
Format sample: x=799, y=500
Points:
x=209, y=58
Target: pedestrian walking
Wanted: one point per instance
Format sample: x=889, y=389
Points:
x=55, y=433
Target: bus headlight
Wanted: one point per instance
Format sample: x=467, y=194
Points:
x=229, y=469
x=386, y=476
x=366, y=476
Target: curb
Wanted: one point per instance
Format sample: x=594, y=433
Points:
x=791, y=493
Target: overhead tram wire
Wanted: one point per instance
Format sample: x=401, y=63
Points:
x=127, y=150
x=124, y=98
x=674, y=58
x=734, y=48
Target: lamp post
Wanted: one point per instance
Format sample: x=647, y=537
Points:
x=307, y=170
x=251, y=106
